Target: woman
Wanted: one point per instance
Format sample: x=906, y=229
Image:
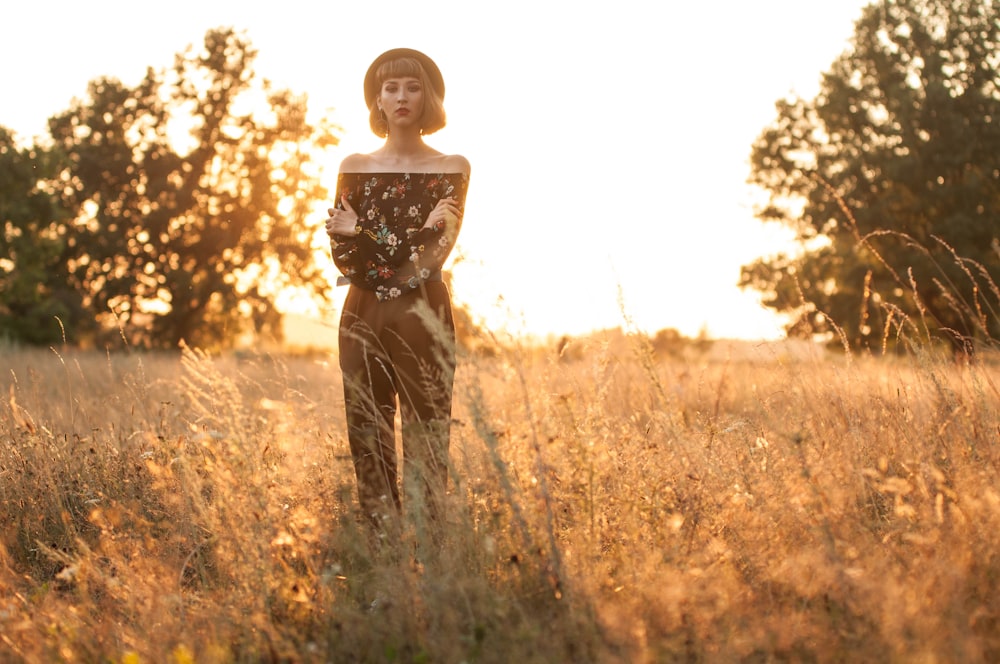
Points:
x=398, y=215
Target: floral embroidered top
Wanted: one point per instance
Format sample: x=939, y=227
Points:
x=393, y=254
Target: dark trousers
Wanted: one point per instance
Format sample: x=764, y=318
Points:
x=398, y=351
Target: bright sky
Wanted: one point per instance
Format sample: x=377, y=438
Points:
x=609, y=140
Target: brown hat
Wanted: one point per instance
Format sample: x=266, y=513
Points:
x=433, y=73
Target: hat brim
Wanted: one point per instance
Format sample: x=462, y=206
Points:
x=433, y=73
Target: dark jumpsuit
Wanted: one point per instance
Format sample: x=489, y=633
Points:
x=397, y=336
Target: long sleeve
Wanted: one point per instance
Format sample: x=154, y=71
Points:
x=393, y=254
x=344, y=249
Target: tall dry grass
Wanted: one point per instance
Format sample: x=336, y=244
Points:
x=612, y=507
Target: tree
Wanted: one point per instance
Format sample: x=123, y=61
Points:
x=34, y=295
x=190, y=196
x=890, y=178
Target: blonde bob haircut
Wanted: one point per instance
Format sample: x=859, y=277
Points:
x=433, y=116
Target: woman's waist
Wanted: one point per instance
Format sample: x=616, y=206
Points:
x=434, y=292
x=361, y=281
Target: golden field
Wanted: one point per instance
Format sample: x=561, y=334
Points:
x=607, y=505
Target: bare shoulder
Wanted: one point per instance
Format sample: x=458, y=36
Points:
x=456, y=163
x=376, y=162
x=354, y=163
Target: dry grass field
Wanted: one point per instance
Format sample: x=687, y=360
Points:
x=607, y=506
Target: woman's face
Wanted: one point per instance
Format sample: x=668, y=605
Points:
x=402, y=101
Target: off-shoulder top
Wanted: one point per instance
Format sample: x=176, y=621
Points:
x=393, y=254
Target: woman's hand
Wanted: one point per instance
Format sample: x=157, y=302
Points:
x=446, y=211
x=342, y=222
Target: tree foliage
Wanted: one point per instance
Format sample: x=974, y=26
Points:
x=33, y=289
x=890, y=179
x=179, y=207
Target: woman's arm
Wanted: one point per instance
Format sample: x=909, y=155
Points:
x=342, y=227
x=427, y=248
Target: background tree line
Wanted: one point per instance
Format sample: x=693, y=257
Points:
x=175, y=209
x=890, y=179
